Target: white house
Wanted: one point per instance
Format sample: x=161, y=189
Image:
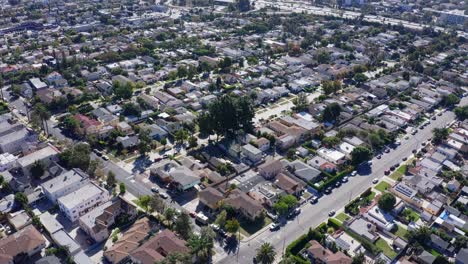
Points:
x=79, y=202
x=64, y=184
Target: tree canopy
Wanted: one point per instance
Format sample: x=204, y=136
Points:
x=227, y=115
x=76, y=156
x=331, y=112
x=387, y=202
x=360, y=154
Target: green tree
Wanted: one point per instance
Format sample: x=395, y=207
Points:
x=21, y=199
x=41, y=114
x=192, y=142
x=221, y=219
x=183, y=225
x=71, y=125
x=360, y=154
x=122, y=188
x=111, y=181
x=360, y=78
x=144, y=144
x=300, y=102
x=157, y=204
x=387, y=202
x=461, y=112
x=450, y=100
x=227, y=115
x=123, y=91
x=331, y=141
x=37, y=169
x=359, y=259
x=181, y=136
x=420, y=235
x=331, y=112
x=439, y=135
x=144, y=202
x=441, y=260
x=76, y=156
x=202, y=245
x=170, y=214
x=232, y=226
x=266, y=254
x=460, y=242
x=322, y=57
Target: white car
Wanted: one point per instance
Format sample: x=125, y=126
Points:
x=374, y=181
x=353, y=173
x=274, y=226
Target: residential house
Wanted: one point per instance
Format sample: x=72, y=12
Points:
x=244, y=204
x=89, y=126
x=64, y=184
x=320, y=255
x=270, y=169
x=82, y=200
x=252, y=153
x=158, y=248
x=130, y=240
x=302, y=171
x=27, y=241
x=97, y=222
x=210, y=197
x=289, y=184
x=45, y=156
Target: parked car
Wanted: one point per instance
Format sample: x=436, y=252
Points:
x=274, y=227
x=328, y=190
x=337, y=184
x=104, y=157
x=314, y=200
x=374, y=181
x=345, y=179
x=387, y=172
x=154, y=189
x=353, y=173
x=163, y=195
x=331, y=213
x=379, y=156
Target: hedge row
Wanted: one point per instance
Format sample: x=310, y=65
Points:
x=297, y=245
x=333, y=179
x=335, y=223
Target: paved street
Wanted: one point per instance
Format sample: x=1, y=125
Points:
x=313, y=215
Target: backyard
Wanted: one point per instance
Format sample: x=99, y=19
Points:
x=386, y=249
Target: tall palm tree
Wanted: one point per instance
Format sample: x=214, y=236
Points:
x=266, y=254
x=202, y=245
x=43, y=114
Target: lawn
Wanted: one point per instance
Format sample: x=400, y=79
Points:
x=386, y=249
x=249, y=228
x=383, y=186
x=410, y=215
x=399, y=172
x=342, y=217
x=401, y=232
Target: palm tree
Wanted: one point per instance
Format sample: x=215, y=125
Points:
x=43, y=114
x=202, y=245
x=266, y=254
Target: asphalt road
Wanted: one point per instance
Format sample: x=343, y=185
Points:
x=313, y=215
